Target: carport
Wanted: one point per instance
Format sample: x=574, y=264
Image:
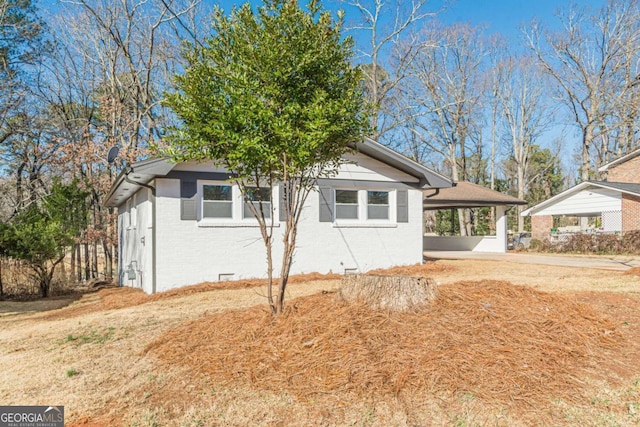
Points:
x=468, y=195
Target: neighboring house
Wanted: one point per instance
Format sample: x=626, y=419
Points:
x=616, y=201
x=186, y=223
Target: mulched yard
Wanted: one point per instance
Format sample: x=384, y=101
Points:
x=504, y=344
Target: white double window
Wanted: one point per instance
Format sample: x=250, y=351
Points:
x=217, y=201
x=224, y=202
x=347, y=204
x=256, y=197
x=363, y=205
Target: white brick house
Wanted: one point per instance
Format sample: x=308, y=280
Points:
x=185, y=223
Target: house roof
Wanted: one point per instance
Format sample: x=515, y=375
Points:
x=467, y=195
x=623, y=187
x=619, y=160
x=133, y=177
x=141, y=173
x=428, y=178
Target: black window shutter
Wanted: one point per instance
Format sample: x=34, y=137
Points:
x=188, y=202
x=326, y=204
x=281, y=205
x=402, y=204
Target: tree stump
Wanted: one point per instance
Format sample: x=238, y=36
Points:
x=395, y=293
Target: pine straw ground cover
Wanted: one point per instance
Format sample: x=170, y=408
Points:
x=507, y=345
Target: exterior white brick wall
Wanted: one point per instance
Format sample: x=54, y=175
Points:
x=195, y=251
x=189, y=253
x=135, y=241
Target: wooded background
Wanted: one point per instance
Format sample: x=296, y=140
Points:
x=84, y=75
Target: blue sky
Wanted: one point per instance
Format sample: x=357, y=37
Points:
x=507, y=16
x=501, y=16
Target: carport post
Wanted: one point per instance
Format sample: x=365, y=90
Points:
x=501, y=228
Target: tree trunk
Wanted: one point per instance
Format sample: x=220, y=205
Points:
x=78, y=262
x=94, y=260
x=395, y=293
x=72, y=267
x=108, y=262
x=587, y=136
x=521, y=185
x=87, y=264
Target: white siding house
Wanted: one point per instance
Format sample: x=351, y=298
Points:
x=588, y=199
x=172, y=232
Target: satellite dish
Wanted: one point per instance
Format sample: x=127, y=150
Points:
x=112, y=155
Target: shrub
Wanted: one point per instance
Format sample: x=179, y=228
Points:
x=537, y=245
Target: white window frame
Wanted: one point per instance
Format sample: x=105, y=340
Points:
x=363, y=219
x=130, y=216
x=202, y=201
x=388, y=205
x=336, y=204
x=250, y=215
x=237, y=218
x=133, y=216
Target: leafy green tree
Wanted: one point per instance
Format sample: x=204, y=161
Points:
x=272, y=97
x=545, y=172
x=543, y=179
x=40, y=235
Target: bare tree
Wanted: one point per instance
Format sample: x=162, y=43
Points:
x=445, y=94
x=387, y=55
x=522, y=96
x=589, y=61
x=102, y=85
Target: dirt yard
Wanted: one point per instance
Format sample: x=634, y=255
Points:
x=505, y=344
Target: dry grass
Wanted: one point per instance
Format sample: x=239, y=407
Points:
x=118, y=298
x=486, y=353
x=635, y=271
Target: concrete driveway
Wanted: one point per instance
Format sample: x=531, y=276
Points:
x=605, y=262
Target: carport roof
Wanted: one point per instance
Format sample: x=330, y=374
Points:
x=467, y=195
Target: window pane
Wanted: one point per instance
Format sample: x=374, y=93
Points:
x=347, y=196
x=346, y=211
x=266, y=206
x=377, y=197
x=377, y=212
x=216, y=192
x=255, y=195
x=216, y=209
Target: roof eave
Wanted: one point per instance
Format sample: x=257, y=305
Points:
x=138, y=176
x=626, y=157
x=428, y=178
x=575, y=188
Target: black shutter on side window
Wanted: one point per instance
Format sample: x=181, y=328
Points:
x=402, y=202
x=326, y=204
x=281, y=205
x=188, y=202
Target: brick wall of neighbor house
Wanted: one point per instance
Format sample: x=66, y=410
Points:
x=541, y=226
x=630, y=213
x=628, y=171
